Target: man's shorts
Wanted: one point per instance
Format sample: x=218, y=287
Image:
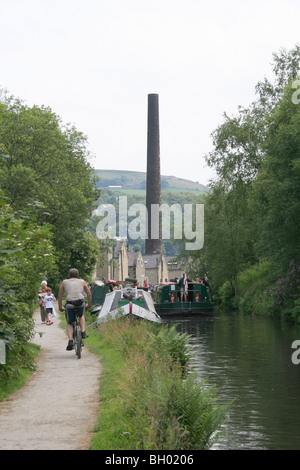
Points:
x=70, y=312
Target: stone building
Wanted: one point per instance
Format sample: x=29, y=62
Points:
x=156, y=268
x=114, y=263
x=121, y=261
x=136, y=265
x=175, y=267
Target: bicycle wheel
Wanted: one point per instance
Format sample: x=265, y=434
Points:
x=77, y=341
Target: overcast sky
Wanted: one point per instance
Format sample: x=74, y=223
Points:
x=93, y=62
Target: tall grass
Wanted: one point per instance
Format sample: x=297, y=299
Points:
x=150, y=398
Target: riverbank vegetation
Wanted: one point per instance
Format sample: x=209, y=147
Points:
x=150, y=397
x=252, y=245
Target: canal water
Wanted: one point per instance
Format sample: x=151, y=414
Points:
x=249, y=360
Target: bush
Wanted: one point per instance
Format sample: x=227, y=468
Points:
x=257, y=303
x=226, y=295
x=295, y=311
x=25, y=255
x=253, y=284
x=284, y=294
x=253, y=277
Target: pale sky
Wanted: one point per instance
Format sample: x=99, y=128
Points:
x=94, y=62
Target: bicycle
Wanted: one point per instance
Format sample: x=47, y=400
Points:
x=77, y=337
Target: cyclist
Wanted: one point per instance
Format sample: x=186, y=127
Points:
x=74, y=287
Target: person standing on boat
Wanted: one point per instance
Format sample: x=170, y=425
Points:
x=183, y=287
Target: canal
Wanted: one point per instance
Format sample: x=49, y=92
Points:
x=249, y=360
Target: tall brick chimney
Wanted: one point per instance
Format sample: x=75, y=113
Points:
x=153, y=186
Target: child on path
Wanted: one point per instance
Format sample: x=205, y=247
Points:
x=49, y=306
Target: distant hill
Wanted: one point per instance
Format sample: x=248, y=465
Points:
x=136, y=180
x=132, y=184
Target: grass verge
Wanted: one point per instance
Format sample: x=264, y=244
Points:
x=150, y=399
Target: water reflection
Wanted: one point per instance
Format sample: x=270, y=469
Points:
x=248, y=359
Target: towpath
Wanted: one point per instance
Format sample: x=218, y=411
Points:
x=57, y=408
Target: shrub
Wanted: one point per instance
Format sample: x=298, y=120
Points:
x=226, y=295
x=25, y=255
x=253, y=277
x=285, y=293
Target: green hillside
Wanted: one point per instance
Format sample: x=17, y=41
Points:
x=116, y=183
x=136, y=180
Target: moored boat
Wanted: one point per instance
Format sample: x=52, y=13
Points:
x=128, y=300
x=167, y=299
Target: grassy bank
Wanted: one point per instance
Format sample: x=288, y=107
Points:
x=261, y=292
x=150, y=399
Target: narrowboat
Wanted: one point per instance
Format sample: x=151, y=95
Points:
x=167, y=299
x=99, y=289
x=128, y=300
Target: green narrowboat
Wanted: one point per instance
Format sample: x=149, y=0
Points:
x=127, y=300
x=99, y=290
x=167, y=300
x=131, y=301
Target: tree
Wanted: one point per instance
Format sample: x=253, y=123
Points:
x=285, y=66
x=227, y=241
x=256, y=197
x=238, y=153
x=46, y=164
x=239, y=142
x=277, y=189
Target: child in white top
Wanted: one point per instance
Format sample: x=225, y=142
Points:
x=49, y=306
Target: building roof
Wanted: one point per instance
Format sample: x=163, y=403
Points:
x=132, y=256
x=119, y=243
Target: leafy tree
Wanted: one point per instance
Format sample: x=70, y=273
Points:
x=227, y=238
x=239, y=148
x=237, y=153
x=285, y=67
x=277, y=189
x=46, y=164
x=255, y=201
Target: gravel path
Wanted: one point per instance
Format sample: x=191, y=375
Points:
x=58, y=407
